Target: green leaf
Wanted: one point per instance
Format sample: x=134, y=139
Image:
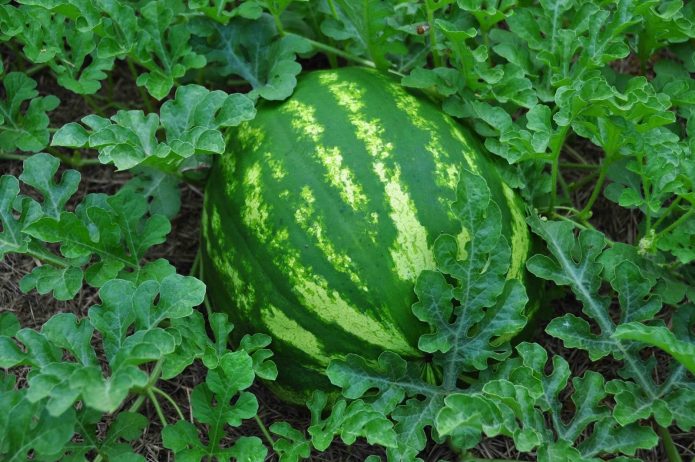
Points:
x=119, y=31
x=663, y=23
x=128, y=324
x=66, y=45
x=253, y=51
x=65, y=331
x=26, y=130
x=248, y=449
x=576, y=263
x=466, y=336
x=660, y=337
x=192, y=343
x=487, y=13
x=9, y=324
x=291, y=444
x=522, y=398
x=63, y=283
x=177, y=297
x=570, y=40
x=394, y=379
x=11, y=237
x=182, y=439
x=39, y=172
x=490, y=308
x=666, y=286
x=255, y=345
x=124, y=304
x=27, y=427
x=364, y=25
x=508, y=139
x=163, y=48
x=161, y=189
x=192, y=120
x=127, y=427
x=118, y=247
x=192, y=123
x=349, y=421
x=221, y=401
x=216, y=9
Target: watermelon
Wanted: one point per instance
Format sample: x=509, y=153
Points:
x=322, y=214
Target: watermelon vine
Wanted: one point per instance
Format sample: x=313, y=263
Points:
x=557, y=329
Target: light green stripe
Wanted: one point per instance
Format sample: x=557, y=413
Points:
x=255, y=211
x=446, y=172
x=456, y=133
x=288, y=330
x=337, y=174
x=410, y=252
x=250, y=138
x=520, y=241
x=314, y=225
x=328, y=305
x=244, y=294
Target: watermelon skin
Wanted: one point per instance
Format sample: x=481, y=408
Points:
x=319, y=219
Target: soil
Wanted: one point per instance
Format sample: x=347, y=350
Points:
x=180, y=249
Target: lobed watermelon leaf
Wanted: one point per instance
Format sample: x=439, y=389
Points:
x=575, y=263
x=163, y=48
x=253, y=51
x=192, y=124
x=26, y=130
x=513, y=402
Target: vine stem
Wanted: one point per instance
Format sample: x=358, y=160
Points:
x=413, y=61
x=596, y=191
x=574, y=222
x=35, y=68
x=264, y=430
x=278, y=23
x=582, y=181
x=196, y=264
x=168, y=397
x=436, y=59
x=72, y=162
x=93, y=105
x=157, y=407
x=76, y=161
x=154, y=376
x=574, y=153
x=143, y=93
x=47, y=257
x=671, y=450
x=646, y=187
x=676, y=223
x=668, y=211
x=206, y=300
x=12, y=156
x=332, y=60
x=558, y=142
x=208, y=306
x=329, y=49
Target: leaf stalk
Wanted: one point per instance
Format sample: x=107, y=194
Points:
x=264, y=430
x=669, y=446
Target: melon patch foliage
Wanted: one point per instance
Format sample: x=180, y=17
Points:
x=588, y=109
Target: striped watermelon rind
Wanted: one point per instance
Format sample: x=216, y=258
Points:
x=322, y=214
